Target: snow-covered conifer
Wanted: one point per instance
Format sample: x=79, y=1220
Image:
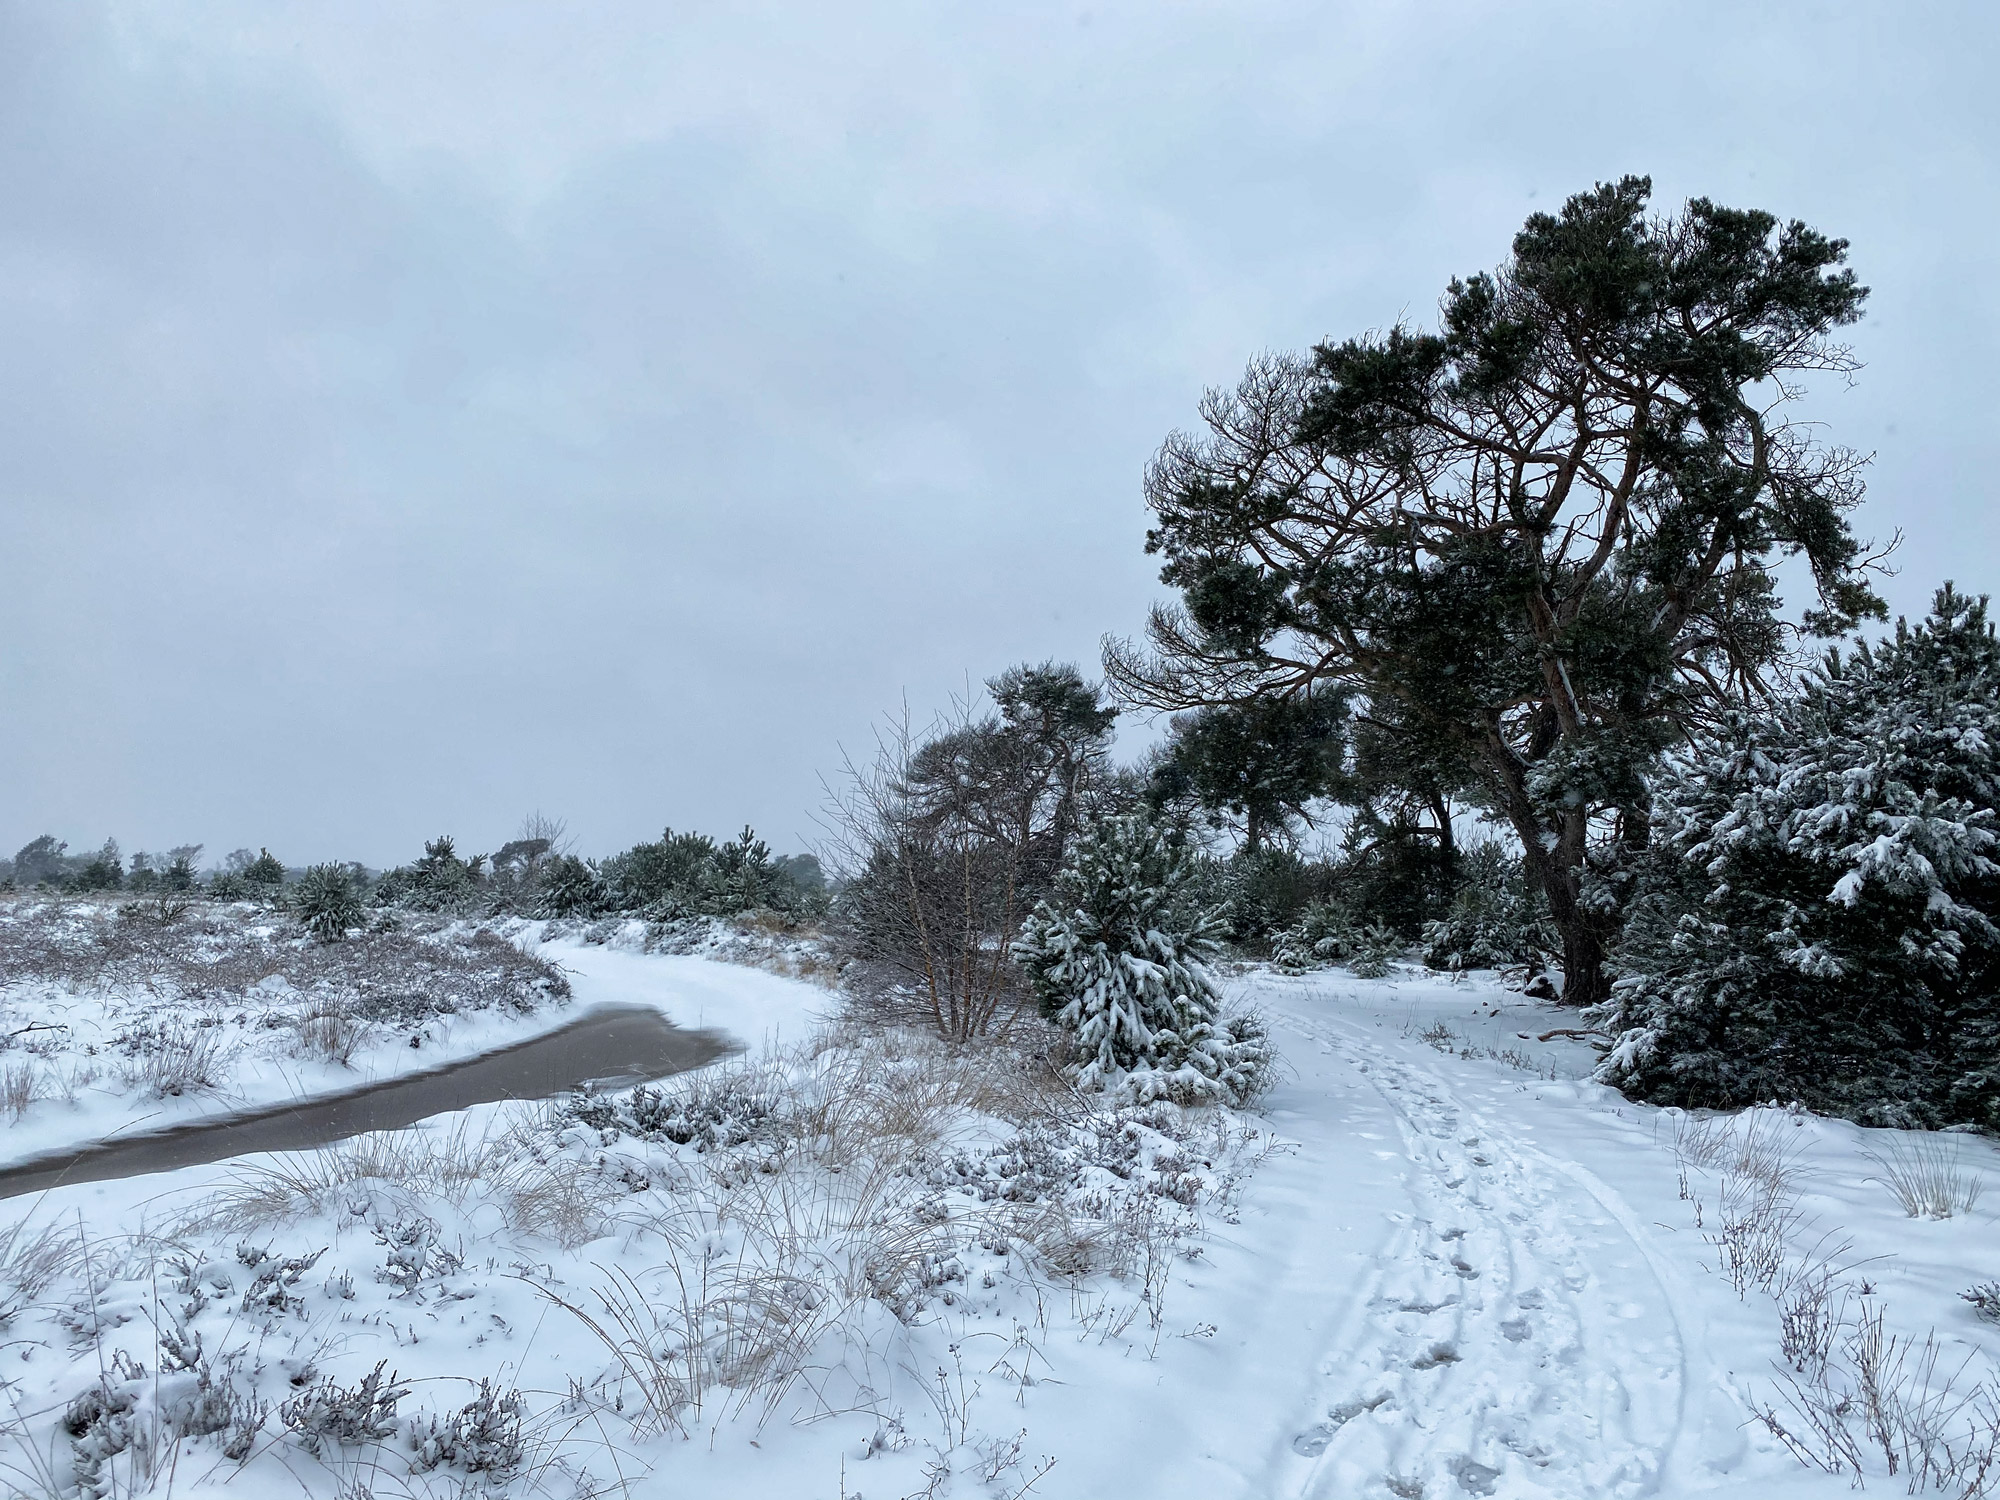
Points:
x=1117, y=955
x=327, y=902
x=1817, y=918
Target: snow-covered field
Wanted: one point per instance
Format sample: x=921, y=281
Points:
x=857, y=1264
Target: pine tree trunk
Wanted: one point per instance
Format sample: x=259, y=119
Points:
x=1584, y=982
x=1555, y=862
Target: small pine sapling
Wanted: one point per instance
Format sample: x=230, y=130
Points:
x=327, y=902
x=1118, y=958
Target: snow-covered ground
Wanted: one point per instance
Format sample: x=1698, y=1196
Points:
x=1442, y=1263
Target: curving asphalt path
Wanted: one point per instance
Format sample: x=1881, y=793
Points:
x=622, y=1044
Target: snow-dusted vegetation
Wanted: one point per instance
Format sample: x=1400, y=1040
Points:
x=861, y=1245
x=1529, y=1028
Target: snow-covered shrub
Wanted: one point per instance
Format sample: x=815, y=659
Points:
x=571, y=887
x=1328, y=933
x=100, y=1426
x=690, y=874
x=442, y=881
x=1372, y=951
x=1117, y=958
x=173, y=1057
x=327, y=902
x=711, y=1109
x=227, y=885
x=1496, y=918
x=1324, y=934
x=1816, y=918
x=328, y=1412
x=482, y=1437
x=265, y=873
x=1985, y=1300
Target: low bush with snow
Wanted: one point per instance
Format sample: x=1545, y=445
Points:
x=1119, y=961
x=1817, y=918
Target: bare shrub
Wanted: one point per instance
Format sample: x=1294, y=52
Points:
x=1812, y=1300
x=932, y=900
x=946, y=841
x=1927, y=1178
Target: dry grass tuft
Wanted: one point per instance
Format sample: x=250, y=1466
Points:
x=20, y=1086
x=331, y=1032
x=1927, y=1176
x=178, y=1057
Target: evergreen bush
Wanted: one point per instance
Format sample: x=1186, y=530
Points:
x=1118, y=958
x=1496, y=918
x=441, y=881
x=228, y=885
x=1816, y=920
x=327, y=902
x=265, y=870
x=571, y=887
x=104, y=871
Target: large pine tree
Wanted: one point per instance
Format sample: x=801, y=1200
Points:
x=1542, y=538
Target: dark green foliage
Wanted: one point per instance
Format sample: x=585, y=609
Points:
x=1539, y=542
x=1817, y=919
x=667, y=878
x=40, y=859
x=228, y=885
x=1264, y=761
x=519, y=857
x=571, y=887
x=104, y=871
x=689, y=874
x=266, y=872
x=180, y=873
x=328, y=902
x=1496, y=919
x=1258, y=893
x=1023, y=778
x=1395, y=873
x=805, y=874
x=1115, y=955
x=439, y=882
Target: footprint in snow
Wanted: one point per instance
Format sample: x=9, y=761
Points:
x=1515, y=1330
x=1312, y=1442
x=1438, y=1354
x=1474, y=1478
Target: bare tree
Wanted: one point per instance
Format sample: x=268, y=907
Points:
x=930, y=899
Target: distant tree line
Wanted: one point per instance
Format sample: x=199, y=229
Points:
x=534, y=874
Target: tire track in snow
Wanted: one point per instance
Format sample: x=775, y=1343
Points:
x=1500, y=1355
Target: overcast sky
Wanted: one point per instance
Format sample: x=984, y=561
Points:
x=415, y=414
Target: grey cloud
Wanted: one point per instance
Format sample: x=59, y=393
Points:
x=410, y=416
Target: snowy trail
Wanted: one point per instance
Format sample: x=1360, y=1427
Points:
x=1438, y=1294
x=1491, y=1358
